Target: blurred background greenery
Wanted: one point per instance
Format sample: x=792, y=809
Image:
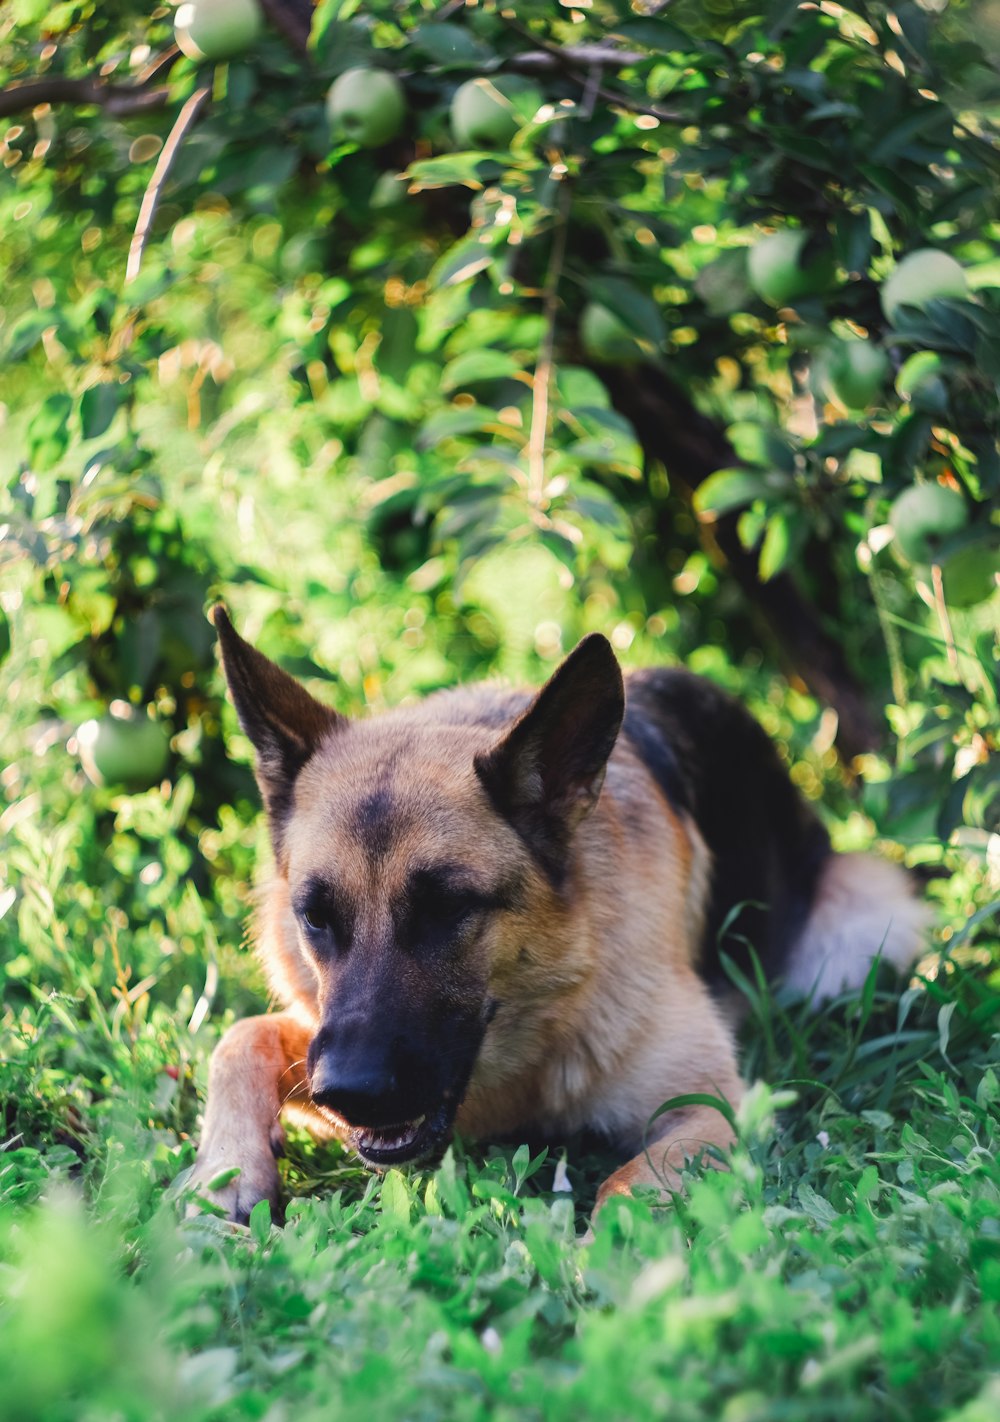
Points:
x=680, y=323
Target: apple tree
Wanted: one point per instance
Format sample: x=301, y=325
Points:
x=698, y=302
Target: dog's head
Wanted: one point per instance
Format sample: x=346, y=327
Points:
x=426, y=854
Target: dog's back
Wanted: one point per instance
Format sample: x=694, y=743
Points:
x=815, y=919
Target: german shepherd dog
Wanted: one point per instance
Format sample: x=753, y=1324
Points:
x=502, y=912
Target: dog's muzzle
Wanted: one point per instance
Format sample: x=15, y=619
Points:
x=394, y=1094
x=384, y=1121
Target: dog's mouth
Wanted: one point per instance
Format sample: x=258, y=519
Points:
x=404, y=1143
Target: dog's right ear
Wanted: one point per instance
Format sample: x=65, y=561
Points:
x=284, y=723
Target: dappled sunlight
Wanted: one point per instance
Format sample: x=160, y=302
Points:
x=430, y=340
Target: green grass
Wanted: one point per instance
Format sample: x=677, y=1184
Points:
x=847, y=1265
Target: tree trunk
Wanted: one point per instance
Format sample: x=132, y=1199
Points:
x=691, y=447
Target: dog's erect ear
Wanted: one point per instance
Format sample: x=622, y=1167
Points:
x=284, y=723
x=547, y=771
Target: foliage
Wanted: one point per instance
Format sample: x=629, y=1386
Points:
x=847, y=1262
x=420, y=414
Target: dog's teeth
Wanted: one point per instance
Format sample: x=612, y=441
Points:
x=407, y=1134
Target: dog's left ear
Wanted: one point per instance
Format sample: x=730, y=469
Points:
x=546, y=773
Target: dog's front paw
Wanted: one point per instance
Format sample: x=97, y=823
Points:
x=235, y=1177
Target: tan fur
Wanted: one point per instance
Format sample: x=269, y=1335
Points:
x=257, y=1069
x=592, y=1012
x=602, y=1016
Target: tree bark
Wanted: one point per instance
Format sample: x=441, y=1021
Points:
x=292, y=18
x=691, y=447
x=118, y=99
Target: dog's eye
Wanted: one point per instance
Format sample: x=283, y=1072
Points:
x=457, y=904
x=437, y=910
x=313, y=921
x=325, y=917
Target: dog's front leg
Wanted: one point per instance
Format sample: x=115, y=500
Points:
x=678, y=1137
x=258, y=1066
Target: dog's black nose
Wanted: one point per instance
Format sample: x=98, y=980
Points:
x=363, y=1093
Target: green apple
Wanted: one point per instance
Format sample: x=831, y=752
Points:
x=604, y=337
x=970, y=574
x=922, y=276
x=217, y=29
x=483, y=114
x=389, y=190
x=920, y=382
x=366, y=106
x=126, y=750
x=857, y=372
x=776, y=270
x=924, y=517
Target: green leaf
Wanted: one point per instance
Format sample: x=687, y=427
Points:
x=139, y=646
x=470, y=169
x=461, y=262
x=834, y=108
x=474, y=366
x=48, y=432
x=395, y=1197
x=579, y=386
x=885, y=180
x=695, y=1098
x=983, y=274
x=723, y=284
x=447, y=424
x=397, y=349
x=944, y=1027
x=260, y=1223
x=751, y=524
x=600, y=509
x=662, y=36
x=820, y=1211
x=854, y=240
x=29, y=12
x=451, y=46
x=224, y=1178
x=636, y=311
x=98, y=407
x=782, y=540
x=27, y=332
x=890, y=145
x=487, y=1189
x=758, y=444
x=330, y=15
x=868, y=1185
x=729, y=489
x=520, y=1163
x=475, y=515
x=813, y=152
x=775, y=548
x=988, y=1090
x=594, y=451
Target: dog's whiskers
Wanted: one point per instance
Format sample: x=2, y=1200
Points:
x=291, y=1067
x=298, y=1090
